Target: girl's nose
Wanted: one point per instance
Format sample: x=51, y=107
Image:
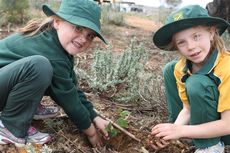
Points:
x=191, y=45
x=83, y=37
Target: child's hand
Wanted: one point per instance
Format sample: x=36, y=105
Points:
x=101, y=124
x=95, y=140
x=167, y=131
x=157, y=143
x=93, y=136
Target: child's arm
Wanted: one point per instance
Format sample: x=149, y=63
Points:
x=182, y=119
x=211, y=129
x=184, y=116
x=169, y=128
x=172, y=131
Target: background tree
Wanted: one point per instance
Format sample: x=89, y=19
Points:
x=173, y=2
x=219, y=8
x=13, y=11
x=37, y=4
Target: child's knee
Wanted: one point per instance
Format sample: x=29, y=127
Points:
x=42, y=68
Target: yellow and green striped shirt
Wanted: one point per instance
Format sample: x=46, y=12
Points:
x=217, y=68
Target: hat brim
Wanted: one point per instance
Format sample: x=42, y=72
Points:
x=163, y=36
x=75, y=20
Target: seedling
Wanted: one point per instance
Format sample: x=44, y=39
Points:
x=121, y=121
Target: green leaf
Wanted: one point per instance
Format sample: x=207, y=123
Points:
x=123, y=114
x=109, y=127
x=113, y=133
x=123, y=123
x=111, y=130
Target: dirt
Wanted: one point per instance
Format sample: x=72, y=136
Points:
x=141, y=23
x=67, y=139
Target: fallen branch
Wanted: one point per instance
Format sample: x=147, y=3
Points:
x=119, y=127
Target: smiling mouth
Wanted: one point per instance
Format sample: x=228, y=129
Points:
x=195, y=54
x=76, y=44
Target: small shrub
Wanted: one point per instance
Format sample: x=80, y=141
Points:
x=117, y=76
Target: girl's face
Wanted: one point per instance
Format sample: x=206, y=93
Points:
x=74, y=39
x=195, y=43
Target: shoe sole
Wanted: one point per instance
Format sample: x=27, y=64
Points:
x=4, y=140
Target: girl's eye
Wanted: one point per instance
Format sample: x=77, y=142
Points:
x=91, y=36
x=180, y=43
x=196, y=37
x=78, y=28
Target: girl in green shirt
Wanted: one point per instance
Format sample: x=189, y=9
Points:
x=38, y=61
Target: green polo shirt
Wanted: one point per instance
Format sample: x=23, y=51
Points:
x=63, y=89
x=216, y=68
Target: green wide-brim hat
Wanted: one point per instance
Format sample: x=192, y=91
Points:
x=84, y=13
x=186, y=17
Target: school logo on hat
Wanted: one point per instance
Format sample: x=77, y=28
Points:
x=186, y=17
x=84, y=13
x=178, y=16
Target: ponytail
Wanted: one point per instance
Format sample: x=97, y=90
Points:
x=34, y=27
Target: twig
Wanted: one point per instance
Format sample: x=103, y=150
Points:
x=114, y=124
x=134, y=109
x=119, y=127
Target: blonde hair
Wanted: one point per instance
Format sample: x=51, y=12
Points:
x=34, y=27
x=219, y=43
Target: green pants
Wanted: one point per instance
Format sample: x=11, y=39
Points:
x=22, y=86
x=202, y=95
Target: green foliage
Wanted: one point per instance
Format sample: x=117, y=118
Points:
x=117, y=74
x=112, y=131
x=123, y=114
x=152, y=90
x=121, y=121
x=37, y=4
x=13, y=11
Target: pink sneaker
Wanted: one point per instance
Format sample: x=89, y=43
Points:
x=34, y=136
x=44, y=112
x=6, y=137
